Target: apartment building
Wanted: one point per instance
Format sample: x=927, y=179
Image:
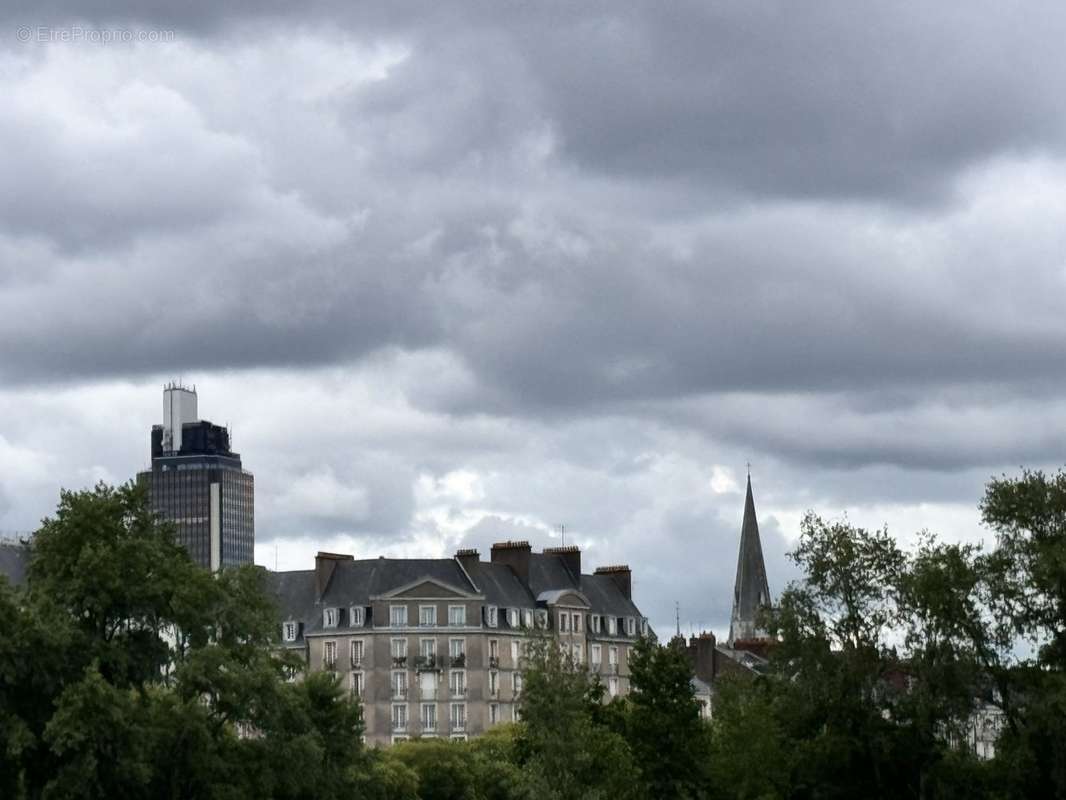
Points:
x=433, y=647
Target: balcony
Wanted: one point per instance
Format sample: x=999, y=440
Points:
x=427, y=663
x=459, y=661
x=458, y=725
x=399, y=662
x=494, y=662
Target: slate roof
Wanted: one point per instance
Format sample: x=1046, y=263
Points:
x=14, y=560
x=751, y=591
x=500, y=585
x=354, y=582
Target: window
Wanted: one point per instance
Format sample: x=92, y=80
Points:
x=516, y=683
x=429, y=717
x=542, y=618
x=512, y=617
x=494, y=683
x=494, y=650
x=329, y=617
x=399, y=652
x=457, y=615
x=527, y=618
x=578, y=653
x=427, y=616
x=457, y=652
x=644, y=626
x=329, y=654
x=577, y=623
x=563, y=619
x=289, y=630
x=612, y=656
x=399, y=685
x=612, y=686
x=427, y=649
x=494, y=713
x=399, y=717
x=492, y=616
x=631, y=626
x=398, y=616
x=514, y=652
x=457, y=683
x=357, y=616
x=458, y=717
x=597, y=655
x=595, y=622
x=358, y=684
x=357, y=652
x=610, y=625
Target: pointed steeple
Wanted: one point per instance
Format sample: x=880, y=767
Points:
x=752, y=591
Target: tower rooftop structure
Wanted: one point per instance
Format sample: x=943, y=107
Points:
x=751, y=593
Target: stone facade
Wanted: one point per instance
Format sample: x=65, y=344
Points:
x=434, y=647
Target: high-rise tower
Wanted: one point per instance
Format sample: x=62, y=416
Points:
x=751, y=594
x=197, y=483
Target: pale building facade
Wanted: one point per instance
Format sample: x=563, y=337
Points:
x=434, y=647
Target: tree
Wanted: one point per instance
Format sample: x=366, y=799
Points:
x=128, y=671
x=664, y=730
x=563, y=752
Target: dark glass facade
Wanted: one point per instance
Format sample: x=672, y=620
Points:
x=205, y=493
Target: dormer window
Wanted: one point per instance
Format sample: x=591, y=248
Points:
x=542, y=618
x=492, y=616
x=512, y=617
x=631, y=626
x=527, y=618
x=610, y=626
x=594, y=621
x=329, y=617
x=357, y=616
x=289, y=631
x=644, y=626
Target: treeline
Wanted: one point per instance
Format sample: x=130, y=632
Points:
x=127, y=671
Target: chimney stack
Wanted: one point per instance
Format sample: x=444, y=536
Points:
x=571, y=556
x=515, y=555
x=468, y=557
x=325, y=564
x=622, y=575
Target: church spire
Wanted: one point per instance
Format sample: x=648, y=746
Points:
x=752, y=591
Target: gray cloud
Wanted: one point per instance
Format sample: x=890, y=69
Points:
x=477, y=271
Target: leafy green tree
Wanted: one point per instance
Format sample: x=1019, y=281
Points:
x=128, y=671
x=565, y=754
x=750, y=755
x=1025, y=578
x=664, y=730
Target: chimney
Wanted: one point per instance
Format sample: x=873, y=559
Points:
x=325, y=564
x=515, y=555
x=468, y=558
x=622, y=575
x=702, y=649
x=571, y=556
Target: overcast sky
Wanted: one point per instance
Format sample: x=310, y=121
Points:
x=459, y=275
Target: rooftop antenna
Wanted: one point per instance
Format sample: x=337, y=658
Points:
x=677, y=611
x=275, y=556
x=562, y=534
